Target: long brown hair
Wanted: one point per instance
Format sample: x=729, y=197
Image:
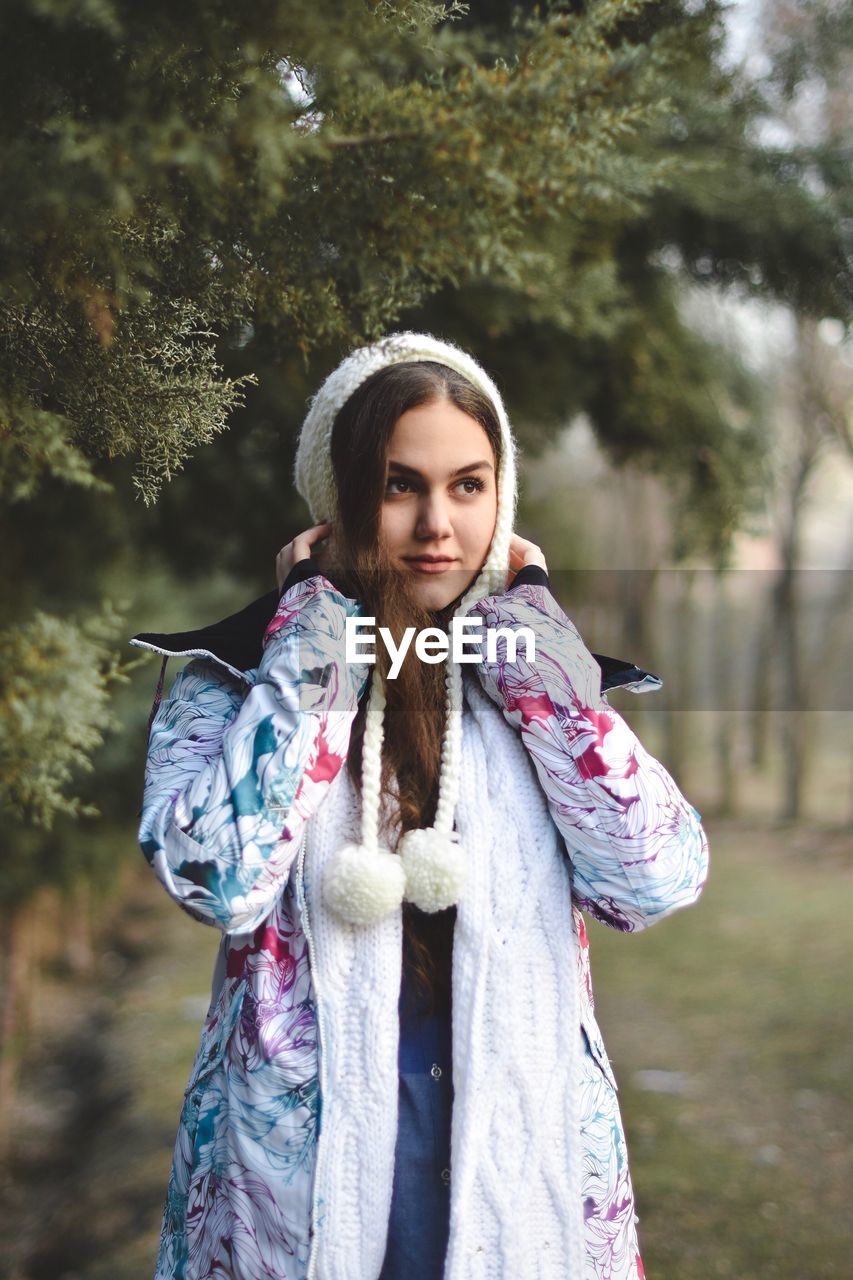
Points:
x=361, y=567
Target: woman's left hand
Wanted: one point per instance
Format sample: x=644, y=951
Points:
x=521, y=553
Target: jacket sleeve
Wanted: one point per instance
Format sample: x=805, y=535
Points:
x=638, y=848
x=231, y=778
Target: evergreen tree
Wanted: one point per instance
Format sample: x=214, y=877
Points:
x=199, y=195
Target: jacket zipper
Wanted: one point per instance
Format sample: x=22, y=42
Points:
x=309, y=938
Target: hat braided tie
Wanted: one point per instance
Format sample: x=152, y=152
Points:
x=364, y=882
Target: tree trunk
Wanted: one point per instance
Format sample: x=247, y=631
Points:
x=680, y=677
x=79, y=949
x=792, y=713
x=764, y=657
x=13, y=976
x=638, y=603
x=725, y=705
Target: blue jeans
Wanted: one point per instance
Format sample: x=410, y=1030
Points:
x=420, y=1203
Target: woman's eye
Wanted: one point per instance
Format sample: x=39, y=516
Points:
x=470, y=485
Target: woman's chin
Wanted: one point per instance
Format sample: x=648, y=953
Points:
x=432, y=597
x=435, y=596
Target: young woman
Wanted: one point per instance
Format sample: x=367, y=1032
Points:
x=400, y=1073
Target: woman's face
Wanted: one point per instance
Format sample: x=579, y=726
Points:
x=440, y=504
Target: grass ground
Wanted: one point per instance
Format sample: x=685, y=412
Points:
x=728, y=1025
x=741, y=1149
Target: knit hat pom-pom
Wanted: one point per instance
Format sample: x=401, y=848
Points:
x=435, y=869
x=362, y=885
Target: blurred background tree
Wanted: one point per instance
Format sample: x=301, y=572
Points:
x=206, y=204
x=808, y=87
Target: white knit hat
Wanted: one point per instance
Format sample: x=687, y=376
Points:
x=364, y=882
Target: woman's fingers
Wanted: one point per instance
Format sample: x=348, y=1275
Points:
x=523, y=552
x=303, y=542
x=299, y=549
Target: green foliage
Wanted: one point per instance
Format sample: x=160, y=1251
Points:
x=204, y=204
x=55, y=678
x=185, y=170
x=313, y=173
x=688, y=407
x=154, y=391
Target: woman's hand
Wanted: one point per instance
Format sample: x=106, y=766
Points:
x=298, y=549
x=521, y=553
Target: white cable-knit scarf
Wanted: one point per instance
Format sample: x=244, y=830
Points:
x=515, y=1206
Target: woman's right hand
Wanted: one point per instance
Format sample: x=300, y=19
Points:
x=298, y=549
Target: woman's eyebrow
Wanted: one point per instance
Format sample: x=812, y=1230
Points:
x=412, y=471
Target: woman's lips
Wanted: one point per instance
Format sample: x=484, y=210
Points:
x=428, y=566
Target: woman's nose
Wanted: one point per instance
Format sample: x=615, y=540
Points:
x=433, y=517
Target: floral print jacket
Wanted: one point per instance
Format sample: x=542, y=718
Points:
x=239, y=758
